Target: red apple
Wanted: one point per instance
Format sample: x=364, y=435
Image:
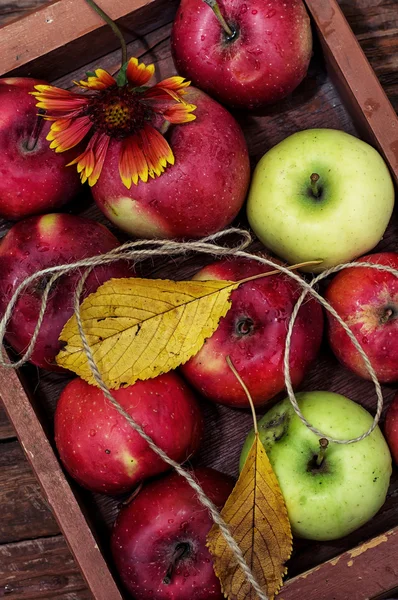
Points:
x=391, y=428
x=34, y=179
x=159, y=539
x=367, y=300
x=39, y=242
x=264, y=59
x=199, y=195
x=253, y=334
x=103, y=452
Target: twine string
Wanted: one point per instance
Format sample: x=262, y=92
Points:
x=141, y=249
x=130, y=251
x=364, y=356
x=203, y=498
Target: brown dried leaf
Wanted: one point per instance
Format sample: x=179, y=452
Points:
x=257, y=517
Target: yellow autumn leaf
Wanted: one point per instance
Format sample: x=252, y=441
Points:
x=257, y=518
x=139, y=328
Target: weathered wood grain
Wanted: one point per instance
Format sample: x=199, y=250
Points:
x=40, y=570
x=14, y=9
x=23, y=509
x=356, y=81
x=363, y=572
x=315, y=103
x=7, y=432
x=64, y=502
x=66, y=32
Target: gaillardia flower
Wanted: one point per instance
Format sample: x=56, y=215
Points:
x=121, y=109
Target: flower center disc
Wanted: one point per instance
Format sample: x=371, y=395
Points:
x=118, y=112
x=116, y=115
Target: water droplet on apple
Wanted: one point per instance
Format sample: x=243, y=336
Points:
x=203, y=37
x=243, y=9
x=43, y=248
x=171, y=521
x=92, y=432
x=254, y=12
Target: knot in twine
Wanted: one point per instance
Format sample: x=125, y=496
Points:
x=139, y=250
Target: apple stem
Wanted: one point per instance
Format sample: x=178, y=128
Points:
x=180, y=551
x=388, y=313
x=244, y=386
x=112, y=25
x=216, y=9
x=323, y=444
x=133, y=495
x=34, y=136
x=314, y=184
x=308, y=263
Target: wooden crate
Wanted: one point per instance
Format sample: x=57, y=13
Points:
x=59, y=43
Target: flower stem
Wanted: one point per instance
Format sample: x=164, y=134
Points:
x=216, y=9
x=113, y=26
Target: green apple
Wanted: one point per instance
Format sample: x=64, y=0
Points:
x=330, y=492
x=320, y=194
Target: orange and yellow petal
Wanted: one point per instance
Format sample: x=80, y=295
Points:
x=175, y=83
x=85, y=164
x=173, y=86
x=91, y=161
x=60, y=124
x=51, y=98
x=100, y=81
x=144, y=155
x=100, y=150
x=132, y=163
x=180, y=113
x=137, y=73
x=65, y=135
x=156, y=151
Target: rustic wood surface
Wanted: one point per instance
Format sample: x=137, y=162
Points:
x=66, y=506
x=10, y=10
x=346, y=573
x=43, y=568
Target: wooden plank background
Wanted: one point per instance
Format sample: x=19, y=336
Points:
x=13, y=9
x=34, y=560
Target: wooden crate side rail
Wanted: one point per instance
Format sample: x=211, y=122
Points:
x=56, y=488
x=363, y=572
x=360, y=572
x=53, y=26
x=356, y=80
x=66, y=34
